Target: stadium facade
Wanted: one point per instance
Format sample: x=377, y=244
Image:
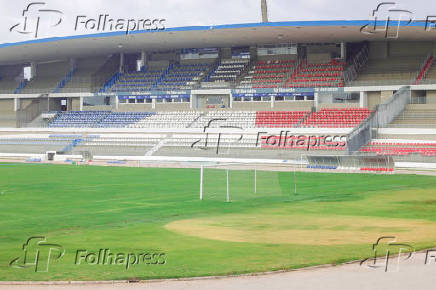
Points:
x=156, y=93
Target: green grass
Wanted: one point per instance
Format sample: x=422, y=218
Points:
x=126, y=210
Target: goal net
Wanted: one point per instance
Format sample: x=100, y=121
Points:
x=296, y=180
x=237, y=182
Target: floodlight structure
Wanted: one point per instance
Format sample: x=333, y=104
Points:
x=264, y=8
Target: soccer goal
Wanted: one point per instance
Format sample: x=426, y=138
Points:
x=243, y=181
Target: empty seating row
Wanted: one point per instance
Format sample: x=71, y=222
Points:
x=317, y=75
x=337, y=118
x=97, y=119
x=183, y=76
x=270, y=119
x=228, y=70
x=273, y=72
x=326, y=118
x=403, y=148
x=167, y=120
x=138, y=81
x=216, y=119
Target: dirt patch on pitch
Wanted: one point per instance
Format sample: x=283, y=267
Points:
x=304, y=229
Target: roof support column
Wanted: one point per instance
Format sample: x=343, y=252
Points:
x=343, y=50
x=121, y=62
x=143, y=59
x=363, y=99
x=17, y=104
x=33, y=70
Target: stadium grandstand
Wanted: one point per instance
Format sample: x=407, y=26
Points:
x=160, y=99
x=173, y=157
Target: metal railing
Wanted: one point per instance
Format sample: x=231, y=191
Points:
x=414, y=80
x=33, y=110
x=382, y=116
x=358, y=62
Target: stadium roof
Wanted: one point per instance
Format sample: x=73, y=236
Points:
x=203, y=36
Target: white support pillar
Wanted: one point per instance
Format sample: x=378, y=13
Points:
x=272, y=101
x=228, y=191
x=17, y=103
x=121, y=62
x=153, y=103
x=33, y=70
x=81, y=103
x=231, y=101
x=343, y=50
x=201, y=181
x=191, y=101
x=316, y=100
x=363, y=99
x=117, y=102
x=143, y=58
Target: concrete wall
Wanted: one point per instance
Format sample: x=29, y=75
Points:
x=8, y=117
x=293, y=106
x=385, y=95
x=135, y=108
x=373, y=99
x=97, y=108
x=280, y=56
x=251, y=106
x=340, y=105
x=75, y=104
x=319, y=57
x=431, y=97
x=25, y=102
x=421, y=107
x=172, y=107
x=226, y=53
x=378, y=50
x=410, y=48
x=384, y=49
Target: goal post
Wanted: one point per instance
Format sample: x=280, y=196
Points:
x=201, y=181
x=232, y=182
x=242, y=181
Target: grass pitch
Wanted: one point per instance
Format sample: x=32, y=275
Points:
x=333, y=218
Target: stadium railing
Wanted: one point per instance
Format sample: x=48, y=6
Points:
x=382, y=116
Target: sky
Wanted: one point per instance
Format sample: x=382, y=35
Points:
x=180, y=13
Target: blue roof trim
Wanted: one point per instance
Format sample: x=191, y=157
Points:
x=215, y=27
